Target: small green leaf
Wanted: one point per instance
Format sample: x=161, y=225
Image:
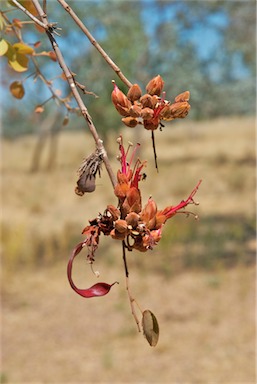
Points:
x=150, y=327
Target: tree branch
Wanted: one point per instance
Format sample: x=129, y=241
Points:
x=70, y=80
x=91, y=38
x=34, y=18
x=132, y=301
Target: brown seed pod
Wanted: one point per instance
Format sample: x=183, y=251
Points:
x=135, y=110
x=134, y=93
x=130, y=121
x=147, y=113
x=148, y=101
x=155, y=86
x=185, y=96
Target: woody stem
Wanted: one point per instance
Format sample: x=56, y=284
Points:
x=93, y=41
x=132, y=301
x=74, y=90
x=154, y=150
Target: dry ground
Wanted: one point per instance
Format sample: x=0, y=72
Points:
x=207, y=317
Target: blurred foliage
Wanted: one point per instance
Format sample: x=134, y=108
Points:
x=205, y=47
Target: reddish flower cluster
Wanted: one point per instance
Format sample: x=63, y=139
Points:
x=149, y=109
x=141, y=228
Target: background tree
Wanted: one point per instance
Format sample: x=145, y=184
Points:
x=201, y=42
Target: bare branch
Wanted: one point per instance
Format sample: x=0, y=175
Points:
x=132, y=301
x=74, y=90
x=32, y=17
x=95, y=43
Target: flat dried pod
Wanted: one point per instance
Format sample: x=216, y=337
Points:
x=87, y=173
x=150, y=327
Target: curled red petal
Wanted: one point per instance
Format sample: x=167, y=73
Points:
x=98, y=289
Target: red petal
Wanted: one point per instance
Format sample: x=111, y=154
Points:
x=99, y=289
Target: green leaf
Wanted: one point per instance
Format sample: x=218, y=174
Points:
x=150, y=327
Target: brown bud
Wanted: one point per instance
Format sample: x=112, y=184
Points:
x=134, y=93
x=17, y=23
x=122, y=187
x=139, y=244
x=115, y=212
x=160, y=219
x=155, y=99
x=149, y=211
x=130, y=121
x=147, y=113
x=166, y=113
x=122, y=178
x=120, y=101
x=132, y=202
x=123, y=111
x=185, y=96
x=121, y=226
x=151, y=125
x=120, y=190
x=155, y=86
x=156, y=235
x=135, y=110
x=132, y=219
x=117, y=235
x=180, y=109
x=147, y=101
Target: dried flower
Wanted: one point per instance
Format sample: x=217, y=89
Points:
x=155, y=86
x=120, y=101
x=185, y=96
x=139, y=228
x=151, y=108
x=130, y=121
x=134, y=93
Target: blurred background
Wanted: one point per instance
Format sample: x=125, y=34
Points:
x=200, y=279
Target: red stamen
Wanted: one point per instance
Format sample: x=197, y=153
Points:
x=183, y=203
x=137, y=175
x=133, y=154
x=123, y=158
x=160, y=107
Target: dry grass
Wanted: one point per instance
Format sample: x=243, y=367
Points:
x=206, y=316
x=206, y=319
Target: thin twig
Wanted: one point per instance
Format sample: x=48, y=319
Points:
x=34, y=18
x=131, y=299
x=41, y=12
x=70, y=80
x=94, y=42
x=154, y=151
